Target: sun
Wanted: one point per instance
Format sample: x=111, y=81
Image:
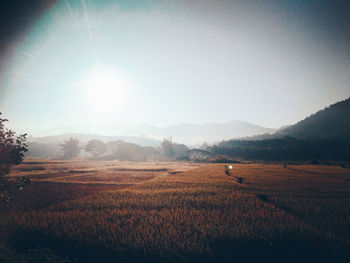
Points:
x=106, y=91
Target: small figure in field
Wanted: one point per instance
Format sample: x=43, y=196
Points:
x=240, y=180
x=284, y=164
x=227, y=171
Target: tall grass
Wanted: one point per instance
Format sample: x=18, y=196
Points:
x=277, y=214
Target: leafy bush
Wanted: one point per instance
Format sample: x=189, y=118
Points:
x=12, y=149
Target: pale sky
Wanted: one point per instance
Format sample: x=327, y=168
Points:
x=169, y=62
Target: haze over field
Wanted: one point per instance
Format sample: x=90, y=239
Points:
x=96, y=63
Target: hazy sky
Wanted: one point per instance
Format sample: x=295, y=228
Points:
x=165, y=62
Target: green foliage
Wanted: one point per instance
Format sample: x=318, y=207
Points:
x=12, y=149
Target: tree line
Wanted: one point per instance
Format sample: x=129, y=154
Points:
x=117, y=150
x=276, y=149
x=286, y=148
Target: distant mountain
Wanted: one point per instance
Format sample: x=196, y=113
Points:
x=331, y=122
x=84, y=138
x=148, y=135
x=323, y=136
x=192, y=134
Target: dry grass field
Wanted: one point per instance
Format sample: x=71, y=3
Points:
x=81, y=211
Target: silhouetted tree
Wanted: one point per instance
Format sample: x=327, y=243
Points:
x=130, y=152
x=286, y=148
x=12, y=149
x=70, y=148
x=167, y=149
x=96, y=148
x=198, y=155
x=180, y=151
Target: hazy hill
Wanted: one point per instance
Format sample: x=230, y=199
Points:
x=84, y=138
x=331, y=122
x=323, y=136
x=148, y=135
x=191, y=134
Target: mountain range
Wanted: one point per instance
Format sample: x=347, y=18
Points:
x=84, y=138
x=191, y=134
x=147, y=135
x=331, y=122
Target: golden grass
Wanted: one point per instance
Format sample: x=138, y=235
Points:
x=106, y=172
x=200, y=213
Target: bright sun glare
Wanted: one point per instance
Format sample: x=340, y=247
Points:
x=106, y=91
